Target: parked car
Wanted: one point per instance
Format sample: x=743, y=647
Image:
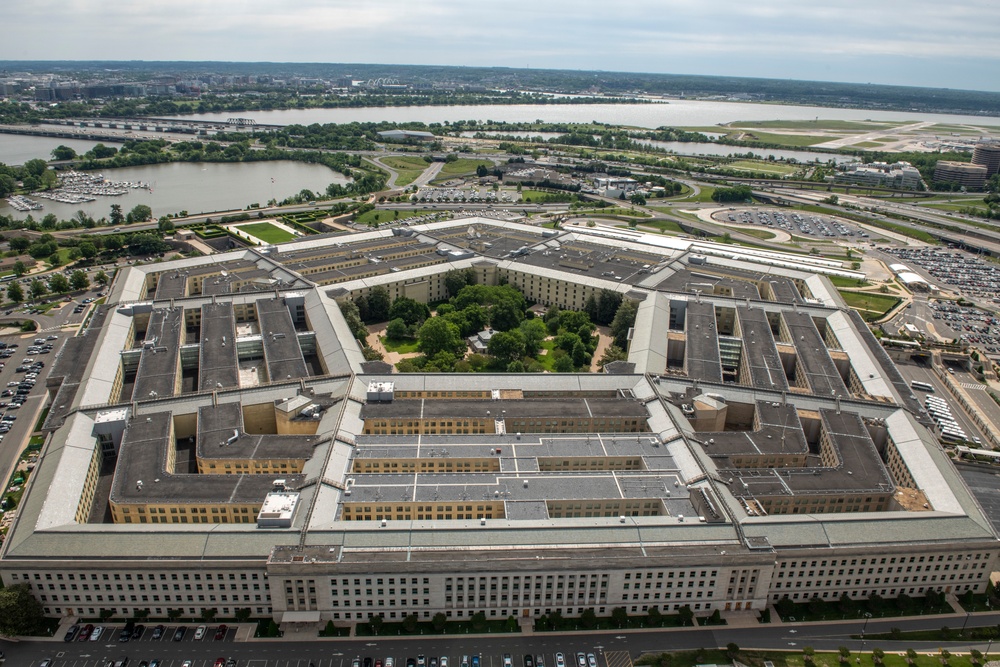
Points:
x=199, y=632
x=85, y=633
x=179, y=633
x=71, y=633
x=96, y=634
x=221, y=632
x=158, y=632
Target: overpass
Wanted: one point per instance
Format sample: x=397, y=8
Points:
x=166, y=125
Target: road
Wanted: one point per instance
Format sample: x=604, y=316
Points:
x=912, y=371
x=612, y=648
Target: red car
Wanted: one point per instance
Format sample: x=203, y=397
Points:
x=220, y=662
x=85, y=633
x=221, y=632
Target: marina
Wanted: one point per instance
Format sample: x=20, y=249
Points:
x=78, y=188
x=23, y=204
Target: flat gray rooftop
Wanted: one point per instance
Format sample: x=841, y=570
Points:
x=701, y=352
x=217, y=366
x=143, y=458
x=218, y=424
x=821, y=374
x=766, y=370
x=281, y=347
x=159, y=361
x=540, y=407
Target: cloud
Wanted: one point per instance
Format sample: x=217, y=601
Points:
x=850, y=40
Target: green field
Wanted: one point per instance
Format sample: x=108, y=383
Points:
x=845, y=125
x=462, y=167
x=871, y=306
x=409, y=168
x=762, y=234
x=266, y=232
x=840, y=281
x=784, y=139
x=765, y=167
x=866, y=144
x=663, y=226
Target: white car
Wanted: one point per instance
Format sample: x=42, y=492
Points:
x=200, y=632
x=560, y=660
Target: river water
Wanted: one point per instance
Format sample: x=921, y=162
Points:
x=19, y=148
x=198, y=187
x=676, y=113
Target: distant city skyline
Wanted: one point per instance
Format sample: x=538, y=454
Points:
x=916, y=43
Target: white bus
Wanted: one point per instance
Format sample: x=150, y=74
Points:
x=922, y=386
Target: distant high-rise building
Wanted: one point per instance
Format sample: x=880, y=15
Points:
x=987, y=154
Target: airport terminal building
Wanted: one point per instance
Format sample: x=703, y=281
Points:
x=217, y=440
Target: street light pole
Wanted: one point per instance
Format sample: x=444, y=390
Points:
x=868, y=617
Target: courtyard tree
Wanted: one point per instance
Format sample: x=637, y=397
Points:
x=58, y=283
x=439, y=335
x=15, y=293
x=507, y=346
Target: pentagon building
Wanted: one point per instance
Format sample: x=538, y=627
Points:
x=217, y=440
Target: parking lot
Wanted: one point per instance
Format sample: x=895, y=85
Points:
x=815, y=226
x=958, y=270
x=971, y=325
x=136, y=650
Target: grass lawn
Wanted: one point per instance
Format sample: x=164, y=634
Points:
x=267, y=232
x=867, y=144
x=400, y=345
x=377, y=215
x=786, y=139
x=409, y=168
x=846, y=125
x=871, y=306
x=610, y=211
x=840, y=281
x=547, y=360
x=462, y=167
x=763, y=166
x=956, y=206
x=762, y=234
x=664, y=226
x=537, y=196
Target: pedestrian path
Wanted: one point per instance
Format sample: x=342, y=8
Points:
x=971, y=385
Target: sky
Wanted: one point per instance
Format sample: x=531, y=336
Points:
x=917, y=42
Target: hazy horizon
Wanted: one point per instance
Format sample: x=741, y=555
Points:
x=917, y=43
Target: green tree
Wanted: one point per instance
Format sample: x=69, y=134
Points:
x=687, y=616
x=165, y=225
x=845, y=653
x=242, y=614
x=507, y=346
x=809, y=654
x=58, y=283
x=37, y=289
x=732, y=649
x=563, y=364
x=439, y=621
x=19, y=268
x=911, y=656
x=478, y=621
x=378, y=304
x=117, y=218
x=15, y=293
x=588, y=619
x=654, y=617
x=878, y=656
x=439, y=335
x=410, y=623
x=619, y=616
x=409, y=310
x=624, y=320
x=174, y=614
x=397, y=329
x=101, y=278
x=376, y=624
x=61, y=152
x=141, y=213
x=330, y=630
x=208, y=614
x=19, y=243
x=638, y=200
x=534, y=332
x=20, y=612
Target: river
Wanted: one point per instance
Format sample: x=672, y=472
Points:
x=676, y=113
x=19, y=148
x=199, y=187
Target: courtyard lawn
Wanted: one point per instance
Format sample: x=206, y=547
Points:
x=400, y=345
x=266, y=232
